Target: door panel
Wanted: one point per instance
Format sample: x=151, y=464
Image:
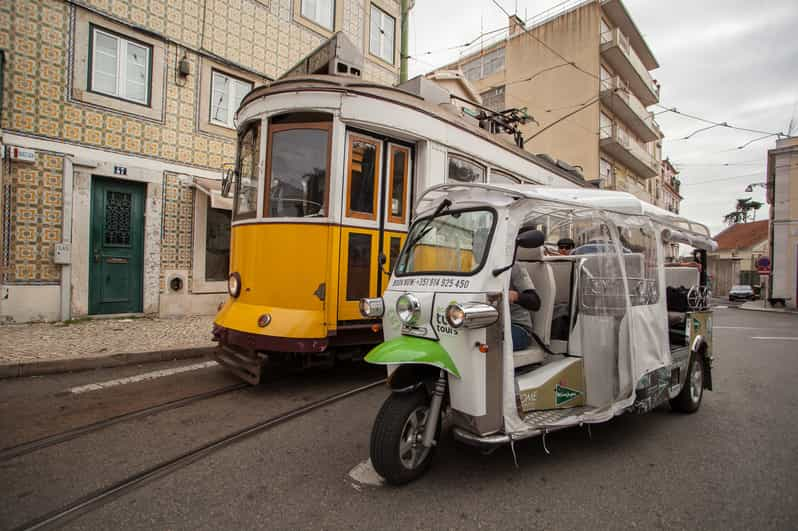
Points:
x=116, y=247
x=358, y=270
x=376, y=199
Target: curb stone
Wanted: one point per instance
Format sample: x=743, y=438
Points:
x=42, y=367
x=771, y=310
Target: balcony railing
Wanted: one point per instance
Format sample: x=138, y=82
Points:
x=617, y=142
x=621, y=55
x=616, y=95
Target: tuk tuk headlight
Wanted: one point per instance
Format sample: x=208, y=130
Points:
x=471, y=315
x=372, y=307
x=408, y=308
x=234, y=285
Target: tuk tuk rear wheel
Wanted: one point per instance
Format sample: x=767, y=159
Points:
x=396, y=450
x=689, y=398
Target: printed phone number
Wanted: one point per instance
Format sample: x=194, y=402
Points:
x=431, y=282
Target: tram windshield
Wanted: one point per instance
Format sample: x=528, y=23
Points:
x=298, y=169
x=452, y=243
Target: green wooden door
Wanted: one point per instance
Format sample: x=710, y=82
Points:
x=117, y=246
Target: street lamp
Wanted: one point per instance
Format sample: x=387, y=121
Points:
x=750, y=187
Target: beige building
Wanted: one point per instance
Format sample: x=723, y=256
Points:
x=117, y=119
x=610, y=135
x=782, y=181
x=735, y=260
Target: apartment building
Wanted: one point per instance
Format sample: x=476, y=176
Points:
x=117, y=119
x=610, y=134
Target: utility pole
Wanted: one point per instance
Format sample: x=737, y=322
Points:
x=407, y=5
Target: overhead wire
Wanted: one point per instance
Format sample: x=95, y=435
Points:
x=748, y=175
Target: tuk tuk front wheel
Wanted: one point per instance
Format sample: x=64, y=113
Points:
x=396, y=450
x=689, y=398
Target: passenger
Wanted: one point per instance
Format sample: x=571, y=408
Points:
x=523, y=299
x=565, y=246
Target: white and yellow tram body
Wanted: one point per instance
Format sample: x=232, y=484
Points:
x=326, y=173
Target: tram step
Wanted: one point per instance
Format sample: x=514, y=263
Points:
x=245, y=367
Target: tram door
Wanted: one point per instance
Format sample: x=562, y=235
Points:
x=375, y=214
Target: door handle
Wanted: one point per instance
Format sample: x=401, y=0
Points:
x=97, y=258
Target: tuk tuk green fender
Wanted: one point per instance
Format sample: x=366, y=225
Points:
x=406, y=349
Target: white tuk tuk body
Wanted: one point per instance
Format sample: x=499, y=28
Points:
x=603, y=344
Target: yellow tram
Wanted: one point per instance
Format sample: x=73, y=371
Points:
x=326, y=172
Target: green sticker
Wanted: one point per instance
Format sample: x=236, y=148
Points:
x=564, y=394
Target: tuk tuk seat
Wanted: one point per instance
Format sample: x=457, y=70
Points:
x=542, y=277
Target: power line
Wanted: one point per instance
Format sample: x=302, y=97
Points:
x=716, y=124
x=555, y=122
x=749, y=175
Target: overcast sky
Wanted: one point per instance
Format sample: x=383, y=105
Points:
x=733, y=61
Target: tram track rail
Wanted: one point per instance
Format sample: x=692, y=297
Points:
x=18, y=450
x=104, y=495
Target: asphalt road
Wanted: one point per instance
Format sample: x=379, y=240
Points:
x=732, y=465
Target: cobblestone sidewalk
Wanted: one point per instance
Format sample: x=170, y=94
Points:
x=24, y=343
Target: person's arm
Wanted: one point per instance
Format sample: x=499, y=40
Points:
x=524, y=293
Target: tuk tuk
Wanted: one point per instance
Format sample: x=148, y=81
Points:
x=615, y=332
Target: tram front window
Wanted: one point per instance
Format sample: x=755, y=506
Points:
x=246, y=200
x=298, y=168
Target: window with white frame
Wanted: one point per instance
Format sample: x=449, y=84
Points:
x=382, y=34
x=120, y=67
x=226, y=95
x=321, y=12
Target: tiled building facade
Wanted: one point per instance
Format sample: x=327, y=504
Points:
x=141, y=92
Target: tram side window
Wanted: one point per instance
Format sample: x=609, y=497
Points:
x=399, y=163
x=298, y=169
x=364, y=155
x=248, y=157
x=465, y=171
x=498, y=177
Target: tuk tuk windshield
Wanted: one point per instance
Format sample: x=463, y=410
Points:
x=455, y=242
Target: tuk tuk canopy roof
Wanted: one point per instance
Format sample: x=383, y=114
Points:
x=622, y=203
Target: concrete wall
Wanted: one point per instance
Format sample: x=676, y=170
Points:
x=554, y=93
x=785, y=220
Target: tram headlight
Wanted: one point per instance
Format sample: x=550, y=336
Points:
x=372, y=307
x=234, y=284
x=471, y=315
x=408, y=308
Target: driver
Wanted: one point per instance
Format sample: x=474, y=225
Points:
x=523, y=299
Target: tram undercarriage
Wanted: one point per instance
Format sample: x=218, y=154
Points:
x=253, y=358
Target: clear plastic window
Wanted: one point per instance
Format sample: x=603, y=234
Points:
x=452, y=243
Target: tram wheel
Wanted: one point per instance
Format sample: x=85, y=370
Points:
x=689, y=398
x=396, y=450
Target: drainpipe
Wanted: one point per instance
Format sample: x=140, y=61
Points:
x=406, y=7
x=66, y=239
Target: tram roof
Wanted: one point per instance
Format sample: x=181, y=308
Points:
x=329, y=83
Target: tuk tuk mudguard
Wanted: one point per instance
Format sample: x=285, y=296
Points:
x=412, y=350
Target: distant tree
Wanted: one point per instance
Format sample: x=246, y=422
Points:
x=732, y=218
x=745, y=207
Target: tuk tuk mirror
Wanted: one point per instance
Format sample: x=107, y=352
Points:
x=531, y=239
